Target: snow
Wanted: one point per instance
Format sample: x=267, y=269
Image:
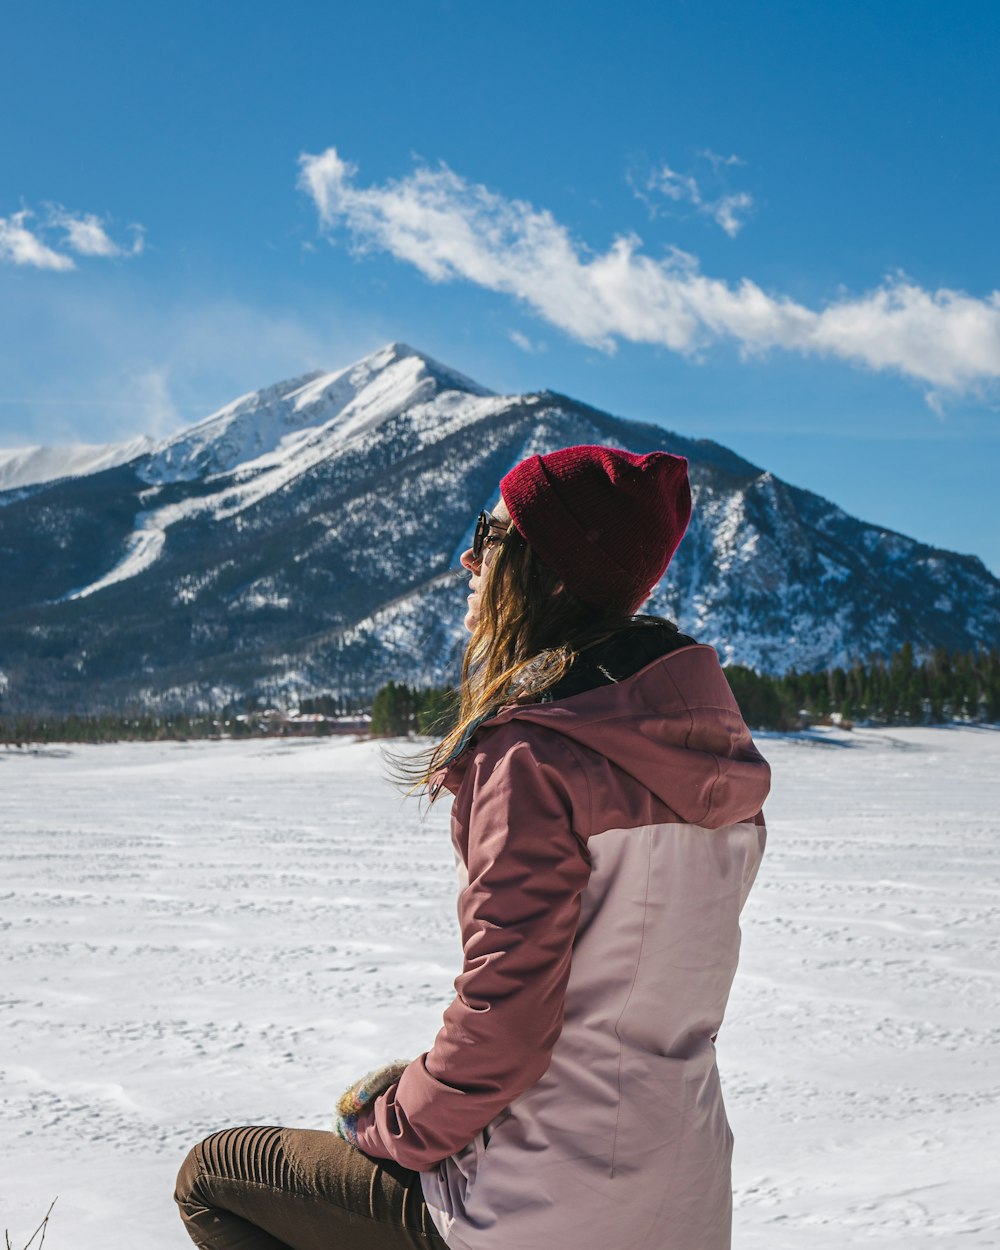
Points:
x=266, y=427
x=141, y=550
x=205, y=934
x=29, y=466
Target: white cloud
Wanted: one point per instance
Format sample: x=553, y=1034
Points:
x=674, y=186
x=82, y=233
x=85, y=234
x=524, y=343
x=716, y=160
x=723, y=208
x=21, y=246
x=450, y=229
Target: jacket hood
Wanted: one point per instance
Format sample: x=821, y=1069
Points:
x=674, y=726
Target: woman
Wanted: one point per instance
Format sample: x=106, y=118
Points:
x=607, y=825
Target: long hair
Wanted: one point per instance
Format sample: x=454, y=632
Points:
x=526, y=639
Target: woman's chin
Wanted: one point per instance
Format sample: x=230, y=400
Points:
x=471, y=620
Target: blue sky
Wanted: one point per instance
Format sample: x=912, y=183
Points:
x=772, y=224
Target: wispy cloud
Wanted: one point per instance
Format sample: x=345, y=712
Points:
x=97, y=363
x=82, y=233
x=717, y=161
x=86, y=235
x=524, y=343
x=21, y=246
x=451, y=229
x=675, y=186
x=725, y=208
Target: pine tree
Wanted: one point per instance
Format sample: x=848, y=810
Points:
x=392, y=711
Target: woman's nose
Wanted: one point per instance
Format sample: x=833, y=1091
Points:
x=468, y=561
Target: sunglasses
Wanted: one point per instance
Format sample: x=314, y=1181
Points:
x=483, y=537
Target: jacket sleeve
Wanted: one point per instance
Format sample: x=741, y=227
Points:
x=518, y=918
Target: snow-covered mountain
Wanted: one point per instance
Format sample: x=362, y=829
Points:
x=305, y=538
x=27, y=466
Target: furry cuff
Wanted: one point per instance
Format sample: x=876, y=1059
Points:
x=353, y=1101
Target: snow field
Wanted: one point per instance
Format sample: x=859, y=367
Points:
x=861, y=1053
x=206, y=934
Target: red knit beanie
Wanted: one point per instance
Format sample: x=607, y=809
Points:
x=605, y=520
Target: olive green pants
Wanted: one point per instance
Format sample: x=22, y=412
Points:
x=299, y=1189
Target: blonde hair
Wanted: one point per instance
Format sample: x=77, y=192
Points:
x=529, y=633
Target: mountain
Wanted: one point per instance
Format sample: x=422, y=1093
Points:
x=305, y=539
x=27, y=466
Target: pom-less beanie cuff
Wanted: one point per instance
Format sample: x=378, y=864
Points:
x=605, y=520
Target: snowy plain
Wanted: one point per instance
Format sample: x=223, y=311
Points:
x=206, y=934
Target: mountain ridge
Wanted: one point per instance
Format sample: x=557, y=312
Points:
x=305, y=537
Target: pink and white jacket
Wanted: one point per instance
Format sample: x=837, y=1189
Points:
x=606, y=844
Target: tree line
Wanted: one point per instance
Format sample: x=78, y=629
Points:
x=944, y=686
x=149, y=726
